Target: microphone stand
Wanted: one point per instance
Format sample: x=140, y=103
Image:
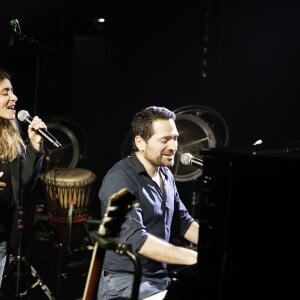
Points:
x=37, y=45
x=19, y=285
x=17, y=34
x=19, y=268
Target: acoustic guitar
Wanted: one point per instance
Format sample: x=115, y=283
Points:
x=119, y=205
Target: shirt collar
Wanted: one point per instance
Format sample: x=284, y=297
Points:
x=141, y=169
x=137, y=164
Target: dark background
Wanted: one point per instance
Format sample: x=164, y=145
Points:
x=239, y=58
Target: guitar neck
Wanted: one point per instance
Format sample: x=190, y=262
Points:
x=91, y=286
x=118, y=206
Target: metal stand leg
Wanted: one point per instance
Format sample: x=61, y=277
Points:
x=61, y=271
x=40, y=283
x=20, y=279
x=64, y=250
x=17, y=278
x=67, y=248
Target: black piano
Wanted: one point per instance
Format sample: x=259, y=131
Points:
x=249, y=233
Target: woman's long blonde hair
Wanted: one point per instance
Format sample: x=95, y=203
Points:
x=11, y=142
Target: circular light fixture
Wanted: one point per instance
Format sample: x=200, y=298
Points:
x=199, y=127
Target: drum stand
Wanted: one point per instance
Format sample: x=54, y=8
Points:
x=65, y=249
x=16, y=281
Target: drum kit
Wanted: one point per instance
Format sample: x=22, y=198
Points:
x=65, y=187
x=67, y=191
x=68, y=194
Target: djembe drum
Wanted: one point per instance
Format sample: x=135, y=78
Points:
x=68, y=192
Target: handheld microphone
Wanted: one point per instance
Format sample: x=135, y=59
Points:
x=188, y=159
x=24, y=116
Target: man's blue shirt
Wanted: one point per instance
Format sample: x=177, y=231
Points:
x=153, y=215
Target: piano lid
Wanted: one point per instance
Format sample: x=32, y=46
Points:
x=278, y=149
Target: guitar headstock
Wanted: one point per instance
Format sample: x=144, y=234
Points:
x=119, y=204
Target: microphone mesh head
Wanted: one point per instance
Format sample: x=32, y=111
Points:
x=22, y=115
x=185, y=158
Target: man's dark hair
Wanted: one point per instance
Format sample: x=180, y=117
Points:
x=142, y=122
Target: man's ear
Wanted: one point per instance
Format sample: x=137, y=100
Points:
x=140, y=143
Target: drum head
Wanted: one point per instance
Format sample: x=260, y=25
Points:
x=68, y=177
x=68, y=192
